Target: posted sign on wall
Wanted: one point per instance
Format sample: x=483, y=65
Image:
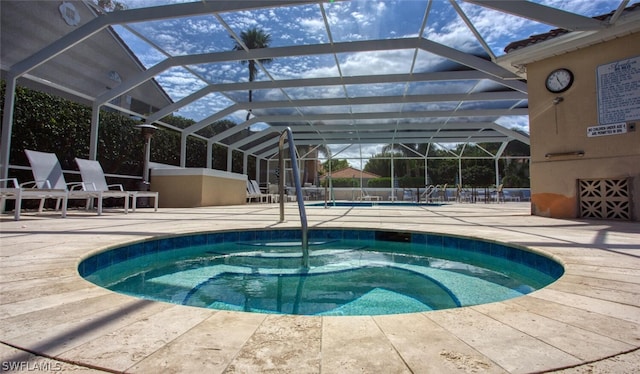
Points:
x=618, y=89
x=604, y=130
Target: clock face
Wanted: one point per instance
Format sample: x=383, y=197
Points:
x=559, y=80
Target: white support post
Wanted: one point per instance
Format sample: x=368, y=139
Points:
x=183, y=150
x=258, y=172
x=209, y=155
x=229, y=159
x=93, y=137
x=392, y=195
x=426, y=172
x=245, y=164
x=7, y=125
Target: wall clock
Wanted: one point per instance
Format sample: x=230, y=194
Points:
x=559, y=80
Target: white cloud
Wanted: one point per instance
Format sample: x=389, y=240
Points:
x=381, y=62
x=514, y=122
x=312, y=25
x=349, y=21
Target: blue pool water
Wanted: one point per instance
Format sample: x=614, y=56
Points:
x=371, y=203
x=351, y=272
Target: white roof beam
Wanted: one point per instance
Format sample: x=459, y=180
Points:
x=403, y=126
x=254, y=137
x=384, y=136
x=430, y=98
x=387, y=115
x=138, y=15
x=275, y=119
x=542, y=13
x=466, y=59
x=209, y=120
x=303, y=50
x=179, y=104
x=488, y=139
x=361, y=79
x=510, y=133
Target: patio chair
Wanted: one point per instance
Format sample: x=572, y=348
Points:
x=407, y=195
x=393, y=195
x=263, y=196
x=462, y=194
x=498, y=194
x=365, y=196
x=254, y=193
x=48, y=183
x=94, y=184
x=442, y=194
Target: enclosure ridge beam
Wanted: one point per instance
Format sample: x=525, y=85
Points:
x=543, y=14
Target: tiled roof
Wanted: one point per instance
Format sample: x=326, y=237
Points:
x=534, y=39
x=353, y=173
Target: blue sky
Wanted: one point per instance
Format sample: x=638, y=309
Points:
x=347, y=21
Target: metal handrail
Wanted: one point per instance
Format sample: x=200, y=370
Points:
x=296, y=179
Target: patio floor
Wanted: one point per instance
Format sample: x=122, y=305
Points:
x=588, y=321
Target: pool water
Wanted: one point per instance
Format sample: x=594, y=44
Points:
x=373, y=203
x=344, y=277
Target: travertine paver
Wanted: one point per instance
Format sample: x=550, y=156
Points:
x=281, y=344
x=357, y=345
x=427, y=347
x=18, y=361
x=211, y=344
x=573, y=340
x=124, y=347
x=514, y=350
x=589, y=319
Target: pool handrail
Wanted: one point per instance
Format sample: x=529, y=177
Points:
x=299, y=197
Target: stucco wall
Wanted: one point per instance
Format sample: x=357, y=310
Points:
x=562, y=127
x=189, y=188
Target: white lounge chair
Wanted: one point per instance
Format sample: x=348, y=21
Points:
x=48, y=184
x=365, y=196
x=94, y=184
x=92, y=172
x=462, y=194
x=407, y=195
x=253, y=192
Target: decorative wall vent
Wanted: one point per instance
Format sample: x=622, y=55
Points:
x=605, y=198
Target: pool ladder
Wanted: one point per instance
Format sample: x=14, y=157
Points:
x=296, y=178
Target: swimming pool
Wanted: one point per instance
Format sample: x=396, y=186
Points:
x=351, y=272
x=371, y=203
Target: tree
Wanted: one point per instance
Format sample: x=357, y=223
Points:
x=253, y=38
x=111, y=5
x=406, y=167
x=335, y=165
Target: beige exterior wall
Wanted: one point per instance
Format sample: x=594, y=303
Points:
x=562, y=127
x=194, y=188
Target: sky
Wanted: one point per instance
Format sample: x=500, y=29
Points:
x=347, y=21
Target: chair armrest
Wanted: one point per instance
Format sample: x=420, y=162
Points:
x=34, y=184
x=14, y=180
x=75, y=186
x=30, y=184
x=83, y=185
x=118, y=186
